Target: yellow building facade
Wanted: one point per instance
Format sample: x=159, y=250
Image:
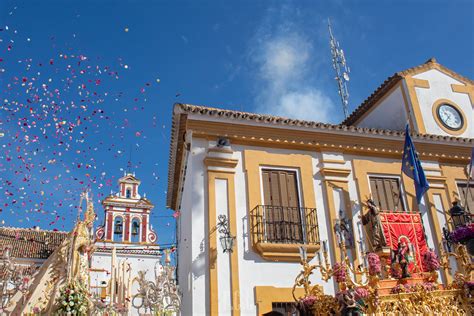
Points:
x=283, y=183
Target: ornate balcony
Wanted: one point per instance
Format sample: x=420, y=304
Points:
x=279, y=231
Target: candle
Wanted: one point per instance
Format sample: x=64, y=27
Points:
x=325, y=246
x=319, y=257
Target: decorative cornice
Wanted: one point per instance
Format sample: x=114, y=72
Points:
x=127, y=204
x=220, y=162
x=335, y=172
x=336, y=135
x=284, y=252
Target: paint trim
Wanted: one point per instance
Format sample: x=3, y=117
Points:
x=253, y=161
x=266, y=295
x=468, y=89
x=411, y=84
x=213, y=248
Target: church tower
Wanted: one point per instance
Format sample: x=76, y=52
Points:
x=127, y=215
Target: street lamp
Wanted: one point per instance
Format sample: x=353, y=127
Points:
x=226, y=239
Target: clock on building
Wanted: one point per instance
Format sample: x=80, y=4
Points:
x=450, y=116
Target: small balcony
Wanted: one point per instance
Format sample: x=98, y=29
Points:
x=279, y=231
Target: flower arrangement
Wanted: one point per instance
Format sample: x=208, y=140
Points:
x=340, y=273
x=307, y=301
x=361, y=293
x=431, y=261
x=73, y=300
x=409, y=288
x=462, y=234
x=374, y=263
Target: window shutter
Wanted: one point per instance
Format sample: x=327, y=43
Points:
x=470, y=196
x=282, y=211
x=386, y=193
x=267, y=198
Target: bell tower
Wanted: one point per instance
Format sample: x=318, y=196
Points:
x=127, y=215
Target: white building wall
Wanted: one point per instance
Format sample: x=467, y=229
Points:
x=440, y=88
x=193, y=270
x=393, y=107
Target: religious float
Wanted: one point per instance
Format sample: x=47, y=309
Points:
x=61, y=286
x=400, y=276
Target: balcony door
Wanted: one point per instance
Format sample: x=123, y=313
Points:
x=282, y=213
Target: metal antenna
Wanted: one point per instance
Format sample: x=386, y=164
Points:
x=342, y=70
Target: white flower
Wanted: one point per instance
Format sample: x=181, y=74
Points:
x=71, y=303
x=64, y=303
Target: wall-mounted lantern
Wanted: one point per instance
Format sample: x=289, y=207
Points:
x=458, y=215
x=227, y=240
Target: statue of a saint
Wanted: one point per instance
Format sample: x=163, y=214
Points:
x=403, y=257
x=82, y=246
x=372, y=218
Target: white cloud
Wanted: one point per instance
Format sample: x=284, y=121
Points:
x=309, y=105
x=285, y=69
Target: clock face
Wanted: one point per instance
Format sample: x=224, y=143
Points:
x=450, y=117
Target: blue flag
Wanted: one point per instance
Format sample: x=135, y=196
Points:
x=411, y=166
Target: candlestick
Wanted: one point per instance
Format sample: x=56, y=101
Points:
x=445, y=245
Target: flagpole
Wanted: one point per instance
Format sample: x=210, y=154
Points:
x=402, y=182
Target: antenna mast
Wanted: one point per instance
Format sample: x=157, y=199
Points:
x=342, y=70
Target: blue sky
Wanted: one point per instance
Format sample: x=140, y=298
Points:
x=140, y=57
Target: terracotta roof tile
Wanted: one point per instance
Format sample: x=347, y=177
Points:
x=30, y=243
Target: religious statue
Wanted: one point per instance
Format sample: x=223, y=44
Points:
x=82, y=246
x=343, y=230
x=402, y=256
x=349, y=305
x=372, y=218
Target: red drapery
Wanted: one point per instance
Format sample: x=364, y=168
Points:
x=396, y=225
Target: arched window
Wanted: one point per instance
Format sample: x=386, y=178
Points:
x=136, y=230
x=118, y=228
x=129, y=193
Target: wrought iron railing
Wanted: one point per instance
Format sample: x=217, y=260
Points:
x=284, y=224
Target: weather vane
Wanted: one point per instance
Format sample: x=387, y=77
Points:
x=342, y=70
